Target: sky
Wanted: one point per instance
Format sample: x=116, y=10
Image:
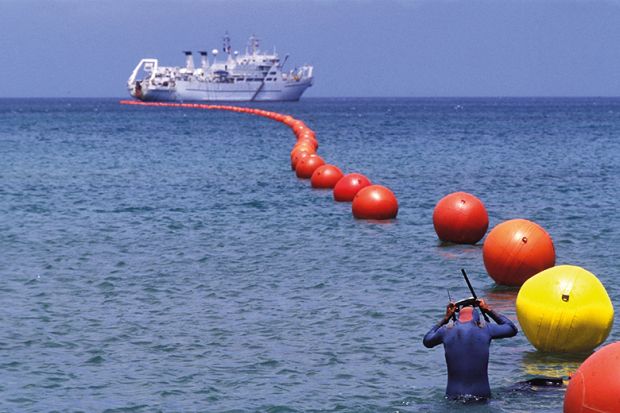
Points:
x=363, y=48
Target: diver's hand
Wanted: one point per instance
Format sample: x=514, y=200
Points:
x=450, y=310
x=484, y=306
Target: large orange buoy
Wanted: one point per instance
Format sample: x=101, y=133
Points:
x=515, y=250
x=307, y=165
x=460, y=218
x=375, y=202
x=348, y=186
x=325, y=176
x=595, y=386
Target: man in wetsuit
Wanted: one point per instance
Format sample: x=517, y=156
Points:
x=466, y=343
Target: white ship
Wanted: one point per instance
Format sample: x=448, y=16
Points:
x=253, y=76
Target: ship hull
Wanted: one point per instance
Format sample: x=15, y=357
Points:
x=195, y=91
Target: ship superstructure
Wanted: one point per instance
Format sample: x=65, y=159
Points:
x=229, y=76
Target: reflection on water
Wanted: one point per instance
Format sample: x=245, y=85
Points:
x=501, y=298
x=536, y=363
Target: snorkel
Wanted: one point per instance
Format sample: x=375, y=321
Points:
x=465, y=310
x=473, y=300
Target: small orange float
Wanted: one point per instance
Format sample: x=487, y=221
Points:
x=326, y=176
x=298, y=155
x=307, y=165
x=348, y=186
x=375, y=202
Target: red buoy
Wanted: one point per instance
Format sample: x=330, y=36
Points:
x=515, y=250
x=325, y=176
x=375, y=202
x=460, y=218
x=306, y=165
x=595, y=386
x=348, y=186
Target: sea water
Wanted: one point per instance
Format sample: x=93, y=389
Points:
x=164, y=259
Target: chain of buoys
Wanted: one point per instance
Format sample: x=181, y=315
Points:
x=375, y=203
x=560, y=308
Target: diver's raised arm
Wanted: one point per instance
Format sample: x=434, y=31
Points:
x=504, y=328
x=435, y=335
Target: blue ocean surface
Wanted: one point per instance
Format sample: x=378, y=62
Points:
x=167, y=259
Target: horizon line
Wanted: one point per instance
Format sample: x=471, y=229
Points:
x=353, y=97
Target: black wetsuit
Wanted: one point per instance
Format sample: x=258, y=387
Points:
x=467, y=352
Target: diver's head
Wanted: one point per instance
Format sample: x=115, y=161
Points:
x=467, y=314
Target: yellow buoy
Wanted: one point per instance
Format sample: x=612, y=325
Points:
x=564, y=309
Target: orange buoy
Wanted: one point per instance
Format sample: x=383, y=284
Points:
x=595, y=386
x=517, y=249
x=460, y=218
x=348, y=186
x=307, y=165
x=325, y=176
x=375, y=202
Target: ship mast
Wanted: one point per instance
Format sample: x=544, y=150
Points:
x=226, y=48
x=253, y=44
